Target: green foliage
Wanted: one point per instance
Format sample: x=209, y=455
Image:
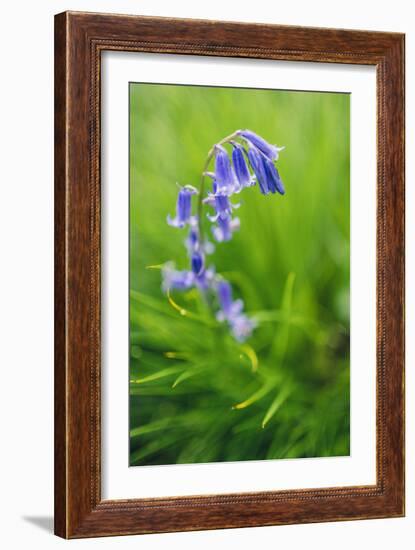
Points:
x=196, y=395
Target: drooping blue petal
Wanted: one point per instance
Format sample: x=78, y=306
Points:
x=257, y=162
x=240, y=166
x=212, y=175
x=183, y=207
x=174, y=279
x=224, y=291
x=206, y=279
x=225, y=178
x=197, y=263
x=231, y=311
x=273, y=178
x=222, y=205
x=271, y=151
x=242, y=327
x=224, y=229
x=193, y=242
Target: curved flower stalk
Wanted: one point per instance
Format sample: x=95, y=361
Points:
x=252, y=160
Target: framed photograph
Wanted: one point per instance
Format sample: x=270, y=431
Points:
x=229, y=276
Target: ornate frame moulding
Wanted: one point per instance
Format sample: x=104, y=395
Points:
x=79, y=40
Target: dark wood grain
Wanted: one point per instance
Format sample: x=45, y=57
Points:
x=60, y=278
x=79, y=40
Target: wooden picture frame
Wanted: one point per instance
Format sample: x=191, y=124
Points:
x=79, y=40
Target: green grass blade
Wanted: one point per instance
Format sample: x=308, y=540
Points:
x=275, y=405
x=185, y=376
x=259, y=394
x=157, y=375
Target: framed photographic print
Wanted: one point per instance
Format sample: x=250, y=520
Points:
x=229, y=277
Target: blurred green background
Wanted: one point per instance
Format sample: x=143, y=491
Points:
x=196, y=395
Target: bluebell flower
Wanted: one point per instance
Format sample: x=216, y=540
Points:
x=273, y=177
x=175, y=279
x=225, y=179
x=266, y=172
x=214, y=183
x=232, y=312
x=183, y=207
x=205, y=279
x=228, y=307
x=257, y=161
x=197, y=262
x=202, y=277
x=251, y=161
x=240, y=166
x=270, y=151
x=242, y=327
x=193, y=243
x=198, y=276
x=222, y=205
x=225, y=227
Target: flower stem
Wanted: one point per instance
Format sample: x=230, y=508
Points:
x=202, y=179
